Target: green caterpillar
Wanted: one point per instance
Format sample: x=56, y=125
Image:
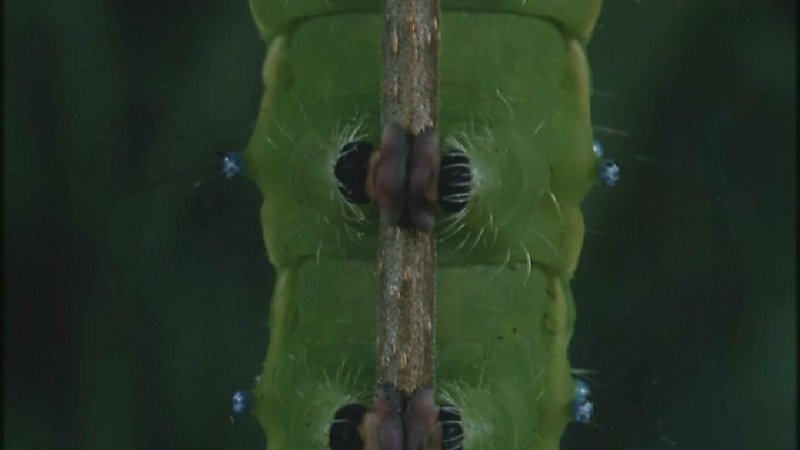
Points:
x=514, y=96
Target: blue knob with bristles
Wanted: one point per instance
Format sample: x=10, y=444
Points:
x=582, y=408
x=607, y=169
x=240, y=403
x=232, y=164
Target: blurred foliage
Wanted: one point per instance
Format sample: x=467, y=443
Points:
x=136, y=299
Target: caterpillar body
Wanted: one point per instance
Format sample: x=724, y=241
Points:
x=514, y=98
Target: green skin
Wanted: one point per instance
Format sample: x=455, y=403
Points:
x=514, y=94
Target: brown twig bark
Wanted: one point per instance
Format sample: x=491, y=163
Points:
x=407, y=256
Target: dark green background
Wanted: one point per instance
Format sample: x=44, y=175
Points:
x=136, y=301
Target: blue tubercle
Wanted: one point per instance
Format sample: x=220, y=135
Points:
x=583, y=412
x=232, y=164
x=240, y=403
x=608, y=170
x=582, y=408
x=597, y=147
x=608, y=174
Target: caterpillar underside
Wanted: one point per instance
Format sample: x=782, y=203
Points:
x=514, y=93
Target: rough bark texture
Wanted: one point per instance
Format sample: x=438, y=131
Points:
x=407, y=256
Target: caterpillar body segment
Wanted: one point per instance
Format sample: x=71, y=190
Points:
x=576, y=17
x=514, y=98
x=501, y=353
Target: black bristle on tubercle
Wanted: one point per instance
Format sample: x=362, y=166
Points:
x=452, y=429
x=344, y=434
x=455, y=181
x=350, y=170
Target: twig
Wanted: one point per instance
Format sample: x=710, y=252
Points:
x=407, y=256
